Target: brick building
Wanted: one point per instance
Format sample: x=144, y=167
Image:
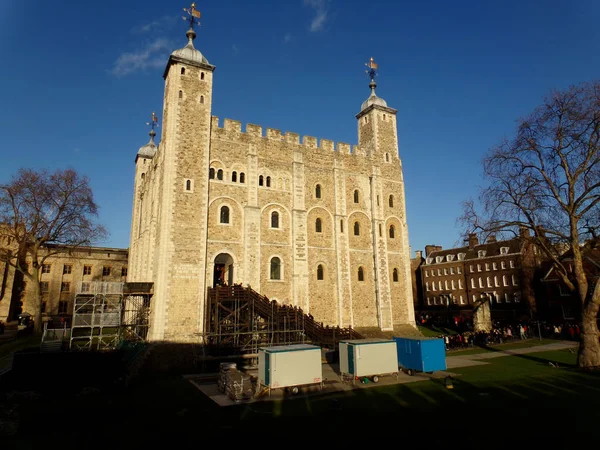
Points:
x=453, y=280
x=303, y=221
x=559, y=303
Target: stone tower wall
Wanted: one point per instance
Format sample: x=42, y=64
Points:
x=295, y=167
x=179, y=232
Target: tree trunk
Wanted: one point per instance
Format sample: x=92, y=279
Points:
x=589, y=348
x=37, y=305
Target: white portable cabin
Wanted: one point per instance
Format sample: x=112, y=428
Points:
x=289, y=365
x=368, y=357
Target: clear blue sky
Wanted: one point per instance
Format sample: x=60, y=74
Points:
x=80, y=79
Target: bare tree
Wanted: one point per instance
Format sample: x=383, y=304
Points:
x=41, y=208
x=547, y=180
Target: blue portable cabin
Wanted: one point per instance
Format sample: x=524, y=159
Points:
x=421, y=354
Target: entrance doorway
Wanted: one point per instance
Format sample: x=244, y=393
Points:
x=223, y=270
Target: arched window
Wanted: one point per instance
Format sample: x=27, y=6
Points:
x=274, y=219
x=211, y=173
x=318, y=191
x=180, y=94
x=220, y=174
x=268, y=181
x=392, y=232
x=242, y=177
x=361, y=274
x=202, y=99
x=391, y=201
x=318, y=225
x=356, y=229
x=183, y=71
x=224, y=216
x=395, y=276
x=202, y=75
x=275, y=268
x=387, y=157
x=234, y=176
x=380, y=234
x=143, y=176
x=260, y=180
x=188, y=185
x=341, y=226
x=320, y=272
x=356, y=196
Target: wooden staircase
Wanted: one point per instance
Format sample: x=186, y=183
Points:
x=240, y=317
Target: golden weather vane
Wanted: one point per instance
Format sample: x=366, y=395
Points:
x=153, y=121
x=372, y=68
x=193, y=14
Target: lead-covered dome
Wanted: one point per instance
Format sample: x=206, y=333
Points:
x=148, y=150
x=373, y=99
x=189, y=52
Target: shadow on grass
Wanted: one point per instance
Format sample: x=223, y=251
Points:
x=531, y=357
x=167, y=407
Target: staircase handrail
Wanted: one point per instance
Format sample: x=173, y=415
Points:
x=279, y=313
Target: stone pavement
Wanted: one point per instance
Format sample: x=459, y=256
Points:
x=454, y=361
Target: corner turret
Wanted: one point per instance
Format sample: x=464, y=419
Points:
x=377, y=122
x=373, y=101
x=148, y=150
x=189, y=55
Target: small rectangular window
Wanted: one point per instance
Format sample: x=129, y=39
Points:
x=105, y=271
x=65, y=287
x=46, y=268
x=63, y=307
x=123, y=271
x=87, y=270
x=44, y=286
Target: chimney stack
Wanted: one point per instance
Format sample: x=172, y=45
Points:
x=429, y=249
x=419, y=254
x=491, y=239
x=473, y=241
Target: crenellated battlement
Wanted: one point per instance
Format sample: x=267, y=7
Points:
x=256, y=131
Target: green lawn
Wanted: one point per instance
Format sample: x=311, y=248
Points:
x=434, y=331
x=19, y=343
x=515, y=399
x=495, y=347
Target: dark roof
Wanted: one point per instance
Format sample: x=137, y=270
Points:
x=491, y=249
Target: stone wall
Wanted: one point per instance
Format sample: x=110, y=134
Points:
x=293, y=168
x=63, y=274
x=209, y=197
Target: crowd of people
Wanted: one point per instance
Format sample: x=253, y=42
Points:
x=458, y=331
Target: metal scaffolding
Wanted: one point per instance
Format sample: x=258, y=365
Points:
x=136, y=311
x=105, y=314
x=96, y=316
x=240, y=321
